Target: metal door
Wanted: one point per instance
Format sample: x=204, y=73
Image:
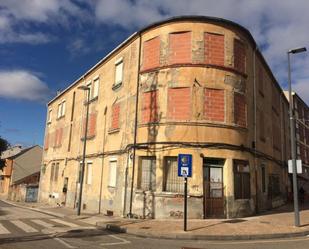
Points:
x=213, y=190
x=31, y=194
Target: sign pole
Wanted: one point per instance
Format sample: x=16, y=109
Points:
x=185, y=204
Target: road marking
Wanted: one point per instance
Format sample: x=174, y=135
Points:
x=23, y=226
x=69, y=224
x=64, y=243
x=3, y=230
x=43, y=223
x=122, y=241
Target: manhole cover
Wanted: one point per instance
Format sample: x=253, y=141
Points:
x=145, y=227
x=234, y=221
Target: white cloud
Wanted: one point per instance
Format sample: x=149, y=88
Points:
x=23, y=85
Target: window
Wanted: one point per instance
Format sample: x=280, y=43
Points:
x=89, y=85
x=115, y=116
x=261, y=81
x=49, y=119
x=240, y=110
x=96, y=83
x=150, y=107
x=214, y=49
x=61, y=109
x=241, y=179
x=180, y=48
x=262, y=126
x=91, y=128
x=89, y=173
x=112, y=173
x=214, y=106
x=239, y=56
x=171, y=181
x=178, y=103
x=263, y=176
x=54, y=171
x=58, y=137
x=151, y=53
x=147, y=173
x=118, y=72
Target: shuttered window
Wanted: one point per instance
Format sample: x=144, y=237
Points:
x=118, y=72
x=171, y=182
x=112, y=173
x=147, y=173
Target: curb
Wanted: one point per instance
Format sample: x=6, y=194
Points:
x=186, y=236
x=36, y=209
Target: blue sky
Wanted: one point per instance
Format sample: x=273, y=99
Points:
x=46, y=45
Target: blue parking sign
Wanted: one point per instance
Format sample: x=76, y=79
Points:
x=185, y=165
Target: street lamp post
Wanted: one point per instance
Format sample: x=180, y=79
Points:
x=84, y=88
x=292, y=130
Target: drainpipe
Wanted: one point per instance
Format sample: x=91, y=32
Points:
x=255, y=129
x=102, y=166
x=135, y=125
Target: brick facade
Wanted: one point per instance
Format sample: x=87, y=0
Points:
x=214, y=104
x=150, y=107
x=214, y=49
x=178, y=107
x=151, y=53
x=240, y=109
x=180, y=48
x=115, y=116
x=239, y=56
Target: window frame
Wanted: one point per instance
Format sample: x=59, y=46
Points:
x=89, y=172
x=242, y=175
x=118, y=81
x=151, y=183
x=112, y=173
x=96, y=87
x=176, y=180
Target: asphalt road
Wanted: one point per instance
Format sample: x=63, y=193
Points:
x=23, y=228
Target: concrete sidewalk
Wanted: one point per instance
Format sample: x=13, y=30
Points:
x=278, y=223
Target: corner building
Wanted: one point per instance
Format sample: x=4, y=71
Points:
x=192, y=84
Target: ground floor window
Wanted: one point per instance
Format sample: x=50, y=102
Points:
x=171, y=181
x=241, y=179
x=147, y=173
x=112, y=177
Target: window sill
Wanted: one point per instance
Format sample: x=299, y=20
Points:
x=116, y=86
x=60, y=117
x=88, y=138
x=91, y=100
x=111, y=131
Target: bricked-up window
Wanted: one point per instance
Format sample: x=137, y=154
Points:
x=171, y=181
x=58, y=137
x=115, y=116
x=151, y=53
x=54, y=172
x=92, y=124
x=147, y=173
x=150, y=107
x=261, y=127
x=178, y=103
x=214, y=104
x=46, y=142
x=240, y=109
x=214, y=49
x=239, y=56
x=241, y=179
x=261, y=81
x=180, y=48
